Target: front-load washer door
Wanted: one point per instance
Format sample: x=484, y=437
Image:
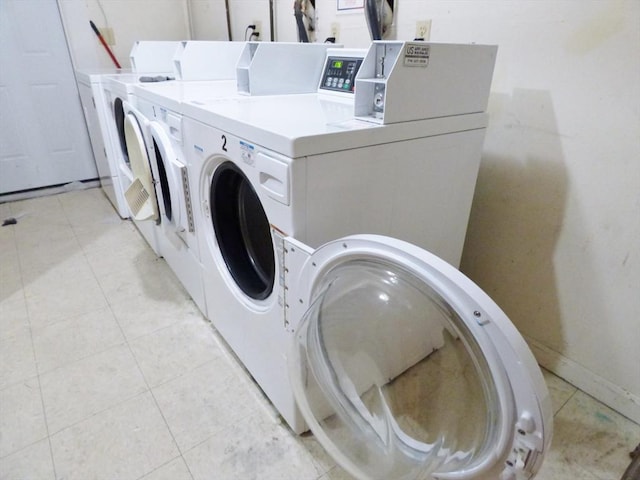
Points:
x=404, y=369
x=173, y=181
x=242, y=231
x=141, y=194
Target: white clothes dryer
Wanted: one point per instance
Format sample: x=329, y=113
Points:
x=118, y=91
x=257, y=65
x=95, y=112
x=159, y=194
x=151, y=57
x=159, y=191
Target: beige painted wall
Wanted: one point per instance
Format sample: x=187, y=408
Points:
x=130, y=20
x=554, y=235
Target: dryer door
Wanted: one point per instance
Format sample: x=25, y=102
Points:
x=404, y=369
x=141, y=194
x=172, y=178
x=119, y=117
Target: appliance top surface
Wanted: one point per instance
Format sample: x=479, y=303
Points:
x=308, y=124
x=97, y=74
x=173, y=94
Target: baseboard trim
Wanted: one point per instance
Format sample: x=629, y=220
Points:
x=46, y=191
x=603, y=390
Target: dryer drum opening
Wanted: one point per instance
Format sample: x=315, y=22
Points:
x=164, y=182
x=118, y=112
x=242, y=231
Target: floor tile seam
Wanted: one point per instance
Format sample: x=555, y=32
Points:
x=24, y=296
x=84, y=253
x=38, y=271
x=155, y=400
x=33, y=351
x=79, y=359
x=166, y=423
x=63, y=318
x=133, y=338
x=66, y=215
x=223, y=429
x=77, y=235
x=18, y=382
x=564, y=404
x=128, y=344
x=24, y=447
x=71, y=363
x=99, y=412
x=182, y=374
x=42, y=405
x=164, y=465
x=604, y=406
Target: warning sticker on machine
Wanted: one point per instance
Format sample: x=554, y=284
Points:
x=416, y=55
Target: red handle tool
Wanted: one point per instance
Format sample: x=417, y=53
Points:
x=104, y=44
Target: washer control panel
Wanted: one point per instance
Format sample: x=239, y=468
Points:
x=339, y=73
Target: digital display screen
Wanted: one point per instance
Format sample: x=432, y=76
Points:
x=336, y=64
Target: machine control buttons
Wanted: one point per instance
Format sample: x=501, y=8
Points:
x=340, y=73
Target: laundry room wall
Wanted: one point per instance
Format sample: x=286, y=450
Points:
x=128, y=20
x=351, y=25
x=554, y=230
x=208, y=19
x=553, y=234
x=248, y=12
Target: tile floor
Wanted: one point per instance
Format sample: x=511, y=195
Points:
x=108, y=370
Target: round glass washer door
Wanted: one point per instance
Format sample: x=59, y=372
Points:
x=404, y=369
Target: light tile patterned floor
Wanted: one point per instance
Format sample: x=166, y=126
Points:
x=108, y=370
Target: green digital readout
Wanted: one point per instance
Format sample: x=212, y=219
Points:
x=336, y=64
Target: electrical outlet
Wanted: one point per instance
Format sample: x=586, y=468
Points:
x=423, y=29
x=335, y=31
x=258, y=30
x=107, y=34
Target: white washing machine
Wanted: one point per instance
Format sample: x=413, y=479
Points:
x=118, y=93
x=272, y=178
x=92, y=98
x=257, y=63
x=159, y=194
x=152, y=56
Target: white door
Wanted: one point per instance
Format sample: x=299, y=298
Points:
x=404, y=369
x=43, y=136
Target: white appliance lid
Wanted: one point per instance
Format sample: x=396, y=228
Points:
x=404, y=368
x=173, y=94
x=310, y=124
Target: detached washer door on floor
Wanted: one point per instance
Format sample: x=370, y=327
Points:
x=404, y=369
